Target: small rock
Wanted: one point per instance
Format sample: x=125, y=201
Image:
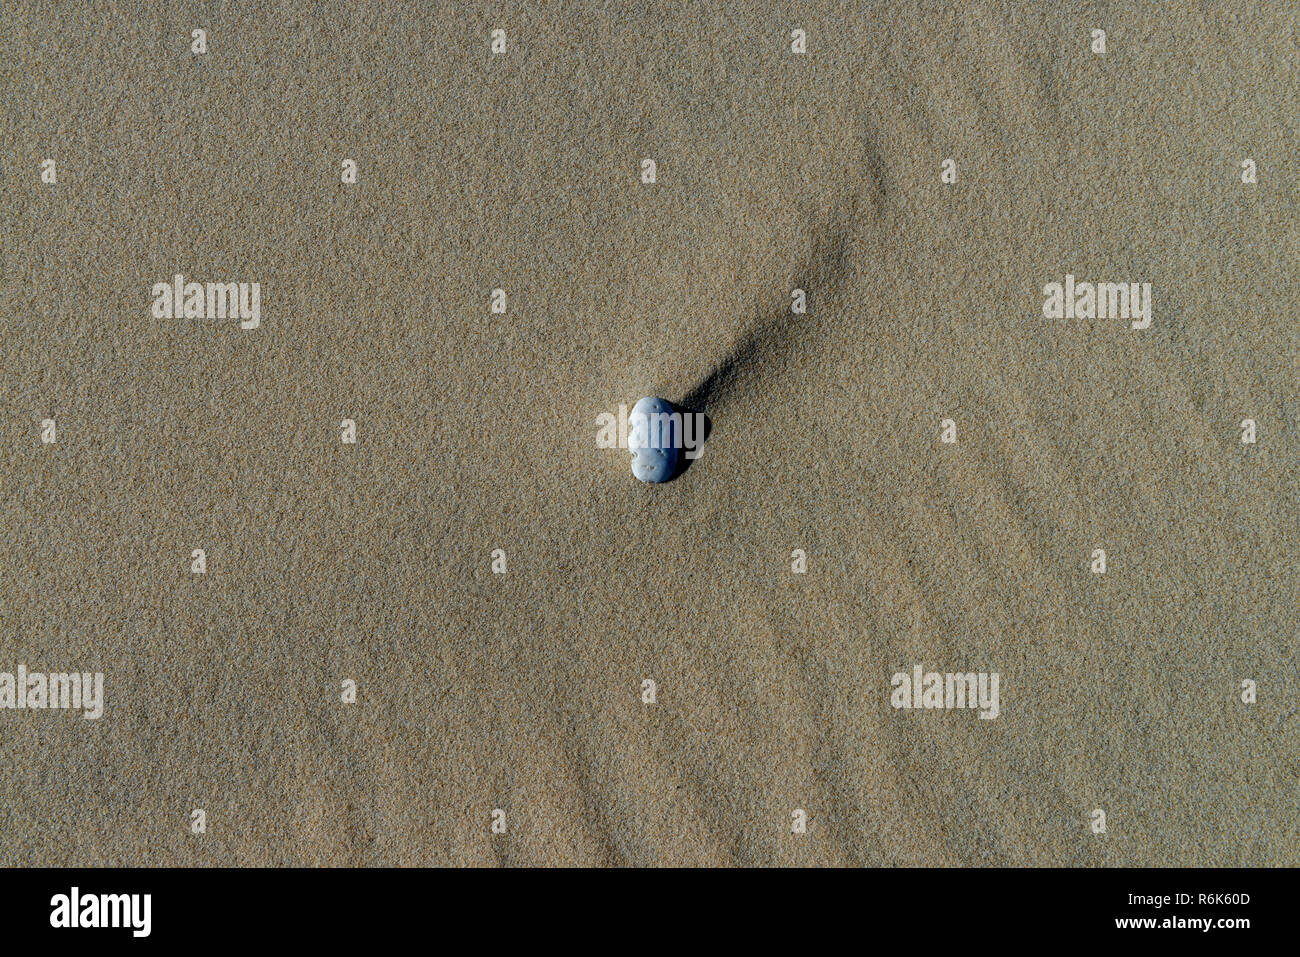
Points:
x=654, y=439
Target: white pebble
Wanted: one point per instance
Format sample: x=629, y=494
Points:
x=654, y=439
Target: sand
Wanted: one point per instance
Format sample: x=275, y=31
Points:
x=477, y=431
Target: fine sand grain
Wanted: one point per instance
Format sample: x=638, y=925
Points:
x=477, y=431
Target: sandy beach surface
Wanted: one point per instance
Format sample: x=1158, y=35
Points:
x=476, y=431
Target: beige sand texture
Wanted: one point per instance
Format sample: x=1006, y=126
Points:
x=477, y=431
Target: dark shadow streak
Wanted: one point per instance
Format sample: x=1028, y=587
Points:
x=776, y=335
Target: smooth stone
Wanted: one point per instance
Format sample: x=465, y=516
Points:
x=655, y=450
